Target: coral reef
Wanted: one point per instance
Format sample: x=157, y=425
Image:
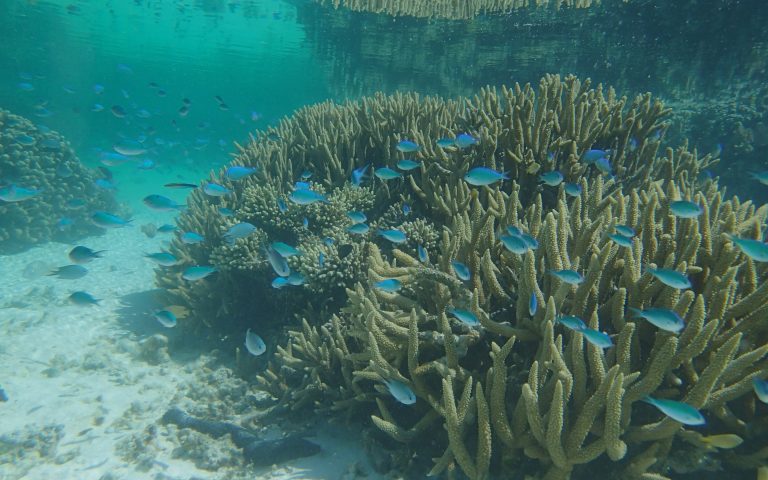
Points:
x=35, y=158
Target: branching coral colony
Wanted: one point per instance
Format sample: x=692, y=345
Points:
x=494, y=352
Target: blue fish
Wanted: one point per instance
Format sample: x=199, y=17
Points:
x=678, y=411
x=166, y=318
x=69, y=272
x=281, y=205
x=191, y=238
x=393, y=235
x=604, y=165
x=226, y=212
x=553, y=178
x=761, y=389
x=386, y=173
x=197, y=272
x=533, y=304
x=107, y=220
x=465, y=140
x=104, y=184
x=321, y=260
x=572, y=321
x=358, y=229
x=295, y=278
x=237, y=172
x=514, y=244
x=407, y=164
x=306, y=197
x=64, y=223
x=278, y=262
x=671, y=278
x=754, y=249
x=461, y=270
x=591, y=156
x=597, y=338
x=401, y=392
x=146, y=164
x=390, y=285
x=357, y=217
x=621, y=240
x=625, y=231
x=571, y=277
x=663, y=318
x=306, y=175
x=406, y=209
x=327, y=241
x=162, y=203
x=164, y=259
x=237, y=231
x=358, y=174
x=422, y=253
x=279, y=282
x=685, y=209
x=166, y=228
x=25, y=140
x=216, y=190
x=305, y=222
x=83, y=298
x=573, y=189
x=464, y=316
x=13, y=193
x=761, y=177
x=480, y=176
x=407, y=146
x=301, y=186
x=81, y=254
x=446, y=142
x=254, y=343
x=285, y=250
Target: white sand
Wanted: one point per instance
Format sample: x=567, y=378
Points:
x=84, y=399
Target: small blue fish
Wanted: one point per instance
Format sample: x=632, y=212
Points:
x=216, y=190
x=69, y=272
x=358, y=229
x=761, y=177
x=146, y=164
x=321, y=260
x=97, y=107
x=573, y=189
x=357, y=217
x=104, y=184
x=461, y=270
x=625, y=231
x=401, y=392
x=83, y=299
x=25, y=140
x=531, y=242
x=671, y=278
x=446, y=142
x=281, y=205
x=568, y=276
x=64, y=223
x=572, y=321
x=191, y=238
x=279, y=282
x=514, y=231
x=12, y=193
x=285, y=250
x=408, y=164
x=621, y=240
x=305, y=222
x=254, y=343
x=390, y=285
x=480, y=176
x=422, y=253
x=25, y=86
x=166, y=318
x=406, y=209
x=237, y=231
x=604, y=165
x=754, y=249
x=678, y=411
x=464, y=316
x=328, y=241
x=465, y=140
x=386, y=173
x=553, y=178
x=107, y=220
x=685, y=209
x=237, y=172
x=591, y=156
x=306, y=175
x=393, y=235
x=81, y=254
x=358, y=174
x=162, y=203
x=407, y=146
x=164, y=259
x=663, y=318
x=166, y=228
x=533, y=304
x=197, y=272
x=278, y=262
x=226, y=212
x=295, y=278
x=306, y=197
x=301, y=186
x=514, y=244
x=597, y=338
x=761, y=389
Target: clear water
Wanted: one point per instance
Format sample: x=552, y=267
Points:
x=263, y=59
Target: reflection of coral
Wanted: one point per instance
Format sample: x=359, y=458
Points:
x=31, y=157
x=451, y=9
x=561, y=401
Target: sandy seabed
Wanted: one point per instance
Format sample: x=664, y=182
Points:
x=87, y=386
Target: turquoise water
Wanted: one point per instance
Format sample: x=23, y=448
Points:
x=185, y=82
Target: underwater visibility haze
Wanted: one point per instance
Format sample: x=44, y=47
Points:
x=391, y=239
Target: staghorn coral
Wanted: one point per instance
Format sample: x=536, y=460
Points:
x=44, y=161
x=562, y=403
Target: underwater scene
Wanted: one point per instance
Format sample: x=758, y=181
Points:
x=384, y=239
